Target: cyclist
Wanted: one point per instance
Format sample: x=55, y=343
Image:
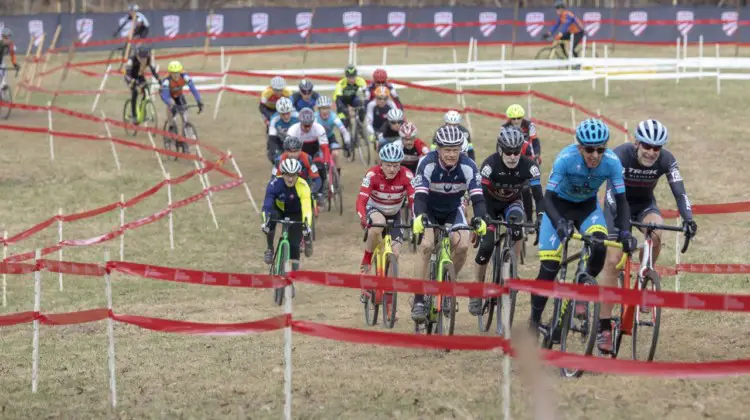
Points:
x=389, y=130
x=566, y=26
x=7, y=47
x=314, y=141
x=414, y=148
x=442, y=178
x=270, y=96
x=309, y=172
x=381, y=197
x=515, y=114
x=453, y=118
x=577, y=173
x=329, y=120
x=531, y=147
x=284, y=118
x=135, y=75
x=505, y=173
x=377, y=111
x=139, y=22
x=288, y=195
x=171, y=89
x=305, y=97
x=380, y=79
x=645, y=162
x=347, y=95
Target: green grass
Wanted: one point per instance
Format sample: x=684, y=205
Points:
x=177, y=376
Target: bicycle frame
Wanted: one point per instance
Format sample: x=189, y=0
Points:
x=382, y=250
x=439, y=257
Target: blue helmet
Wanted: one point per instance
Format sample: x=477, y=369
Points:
x=592, y=132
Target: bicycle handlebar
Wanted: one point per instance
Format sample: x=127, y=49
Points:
x=286, y=221
x=4, y=67
x=446, y=228
x=510, y=224
x=650, y=227
x=590, y=240
x=390, y=224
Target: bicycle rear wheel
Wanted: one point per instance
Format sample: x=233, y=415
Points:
x=446, y=326
x=484, y=320
x=390, y=298
x=126, y=118
x=168, y=141
x=508, y=270
x=578, y=334
x=646, y=324
x=279, y=268
x=6, y=99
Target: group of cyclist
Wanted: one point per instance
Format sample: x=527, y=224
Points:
x=435, y=183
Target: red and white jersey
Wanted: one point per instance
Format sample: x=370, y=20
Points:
x=316, y=133
x=386, y=195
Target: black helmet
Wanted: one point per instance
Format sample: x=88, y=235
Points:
x=350, y=70
x=559, y=4
x=143, y=51
x=305, y=86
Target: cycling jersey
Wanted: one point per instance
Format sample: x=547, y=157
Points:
x=171, y=88
x=376, y=115
x=501, y=183
x=573, y=181
x=347, y=91
x=567, y=22
x=333, y=121
x=7, y=47
x=268, y=99
x=438, y=189
x=385, y=195
x=277, y=127
x=290, y=200
x=135, y=69
x=309, y=170
x=141, y=25
x=528, y=128
x=386, y=133
x=314, y=140
x=299, y=102
x=640, y=181
x=392, y=89
x=411, y=156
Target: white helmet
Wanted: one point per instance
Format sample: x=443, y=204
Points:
x=290, y=166
x=392, y=152
x=395, y=115
x=452, y=117
x=449, y=136
x=278, y=83
x=652, y=132
x=284, y=105
x=324, y=102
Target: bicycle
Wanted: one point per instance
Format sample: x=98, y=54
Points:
x=280, y=265
x=117, y=51
x=409, y=237
x=441, y=270
x=504, y=267
x=386, y=265
x=563, y=320
x=188, y=130
x=145, y=111
x=6, y=95
x=629, y=321
x=333, y=188
x=359, y=142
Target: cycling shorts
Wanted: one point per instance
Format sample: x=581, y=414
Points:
x=638, y=211
x=456, y=217
x=587, y=216
x=397, y=235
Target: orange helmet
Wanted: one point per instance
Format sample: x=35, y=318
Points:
x=382, y=92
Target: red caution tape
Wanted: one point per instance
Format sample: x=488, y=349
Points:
x=725, y=208
x=196, y=328
x=210, y=278
x=714, y=268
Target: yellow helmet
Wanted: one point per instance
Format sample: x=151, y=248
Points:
x=174, y=67
x=515, y=111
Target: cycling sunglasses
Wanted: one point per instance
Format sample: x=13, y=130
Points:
x=590, y=150
x=646, y=146
x=396, y=122
x=305, y=92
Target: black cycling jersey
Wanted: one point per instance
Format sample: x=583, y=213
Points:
x=379, y=115
x=137, y=70
x=499, y=183
x=640, y=181
x=387, y=132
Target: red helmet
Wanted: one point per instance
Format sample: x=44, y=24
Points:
x=408, y=130
x=380, y=76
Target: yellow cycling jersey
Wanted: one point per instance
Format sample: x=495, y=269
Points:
x=303, y=199
x=268, y=97
x=343, y=88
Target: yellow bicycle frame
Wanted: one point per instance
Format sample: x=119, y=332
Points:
x=380, y=255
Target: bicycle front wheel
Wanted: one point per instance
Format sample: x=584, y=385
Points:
x=126, y=118
x=508, y=270
x=150, y=118
x=6, y=100
x=371, y=307
x=279, y=268
x=545, y=53
x=578, y=333
x=338, y=198
x=446, y=320
x=390, y=298
x=189, y=132
x=168, y=141
x=647, y=321
x=484, y=320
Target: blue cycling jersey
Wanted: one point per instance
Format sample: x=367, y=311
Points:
x=277, y=126
x=299, y=102
x=572, y=180
x=329, y=123
x=445, y=187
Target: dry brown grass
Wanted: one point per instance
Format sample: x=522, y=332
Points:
x=174, y=376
